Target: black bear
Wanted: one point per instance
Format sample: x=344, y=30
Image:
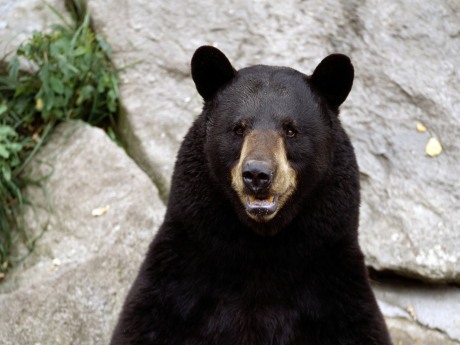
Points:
x=259, y=245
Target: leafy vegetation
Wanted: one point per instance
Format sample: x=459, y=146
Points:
x=72, y=78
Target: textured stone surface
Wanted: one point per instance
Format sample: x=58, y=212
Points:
x=407, y=71
x=71, y=288
x=20, y=18
x=420, y=313
x=404, y=332
x=433, y=307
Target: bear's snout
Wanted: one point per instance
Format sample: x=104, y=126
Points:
x=257, y=177
x=263, y=177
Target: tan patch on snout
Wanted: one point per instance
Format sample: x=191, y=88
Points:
x=266, y=146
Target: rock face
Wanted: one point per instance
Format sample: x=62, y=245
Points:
x=71, y=288
x=429, y=306
x=411, y=202
x=20, y=18
x=404, y=332
x=407, y=71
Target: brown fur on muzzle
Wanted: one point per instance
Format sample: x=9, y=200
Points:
x=268, y=147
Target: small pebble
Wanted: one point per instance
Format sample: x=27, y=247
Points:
x=433, y=147
x=100, y=211
x=421, y=127
x=55, y=264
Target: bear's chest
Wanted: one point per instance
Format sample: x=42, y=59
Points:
x=231, y=321
x=261, y=309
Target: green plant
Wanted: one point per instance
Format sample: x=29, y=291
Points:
x=72, y=78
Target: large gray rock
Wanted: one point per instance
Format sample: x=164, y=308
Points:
x=20, y=18
x=407, y=71
x=433, y=308
x=71, y=288
x=404, y=332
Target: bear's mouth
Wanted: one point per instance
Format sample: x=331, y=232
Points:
x=261, y=207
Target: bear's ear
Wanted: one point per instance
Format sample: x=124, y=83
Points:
x=210, y=70
x=333, y=78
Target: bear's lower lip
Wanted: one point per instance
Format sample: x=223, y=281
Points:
x=261, y=207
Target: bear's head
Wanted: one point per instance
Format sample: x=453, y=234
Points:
x=269, y=132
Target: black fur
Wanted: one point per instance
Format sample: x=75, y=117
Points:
x=209, y=278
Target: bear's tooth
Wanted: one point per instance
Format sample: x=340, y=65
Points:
x=252, y=199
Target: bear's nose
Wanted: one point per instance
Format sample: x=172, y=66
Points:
x=257, y=176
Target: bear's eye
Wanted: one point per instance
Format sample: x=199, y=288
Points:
x=290, y=132
x=239, y=129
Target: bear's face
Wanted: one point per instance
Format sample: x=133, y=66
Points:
x=268, y=133
x=265, y=133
